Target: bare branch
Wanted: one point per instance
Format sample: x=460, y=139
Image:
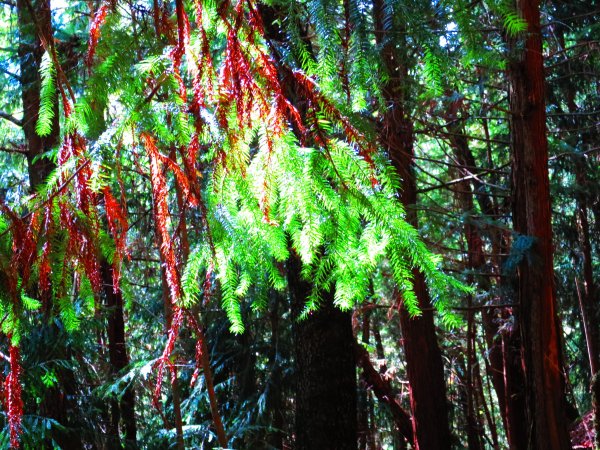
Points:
x=14, y=149
x=9, y=73
x=10, y=118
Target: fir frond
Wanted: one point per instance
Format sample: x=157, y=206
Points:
x=47, y=109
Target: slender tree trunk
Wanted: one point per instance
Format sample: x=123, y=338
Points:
x=505, y=368
x=384, y=393
x=504, y=342
x=473, y=425
x=325, y=371
x=117, y=353
x=537, y=317
x=425, y=369
x=587, y=298
x=168, y=310
x=487, y=409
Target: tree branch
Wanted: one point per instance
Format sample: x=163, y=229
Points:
x=8, y=72
x=384, y=392
x=15, y=149
x=10, y=118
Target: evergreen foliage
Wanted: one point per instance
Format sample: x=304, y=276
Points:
x=47, y=96
x=202, y=148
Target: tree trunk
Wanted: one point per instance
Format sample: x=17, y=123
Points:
x=276, y=394
x=537, y=316
x=35, y=24
x=325, y=366
x=325, y=371
x=587, y=298
x=117, y=353
x=385, y=394
x=425, y=369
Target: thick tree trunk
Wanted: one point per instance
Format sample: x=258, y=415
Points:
x=35, y=24
x=537, y=317
x=276, y=394
x=425, y=369
x=325, y=371
x=325, y=366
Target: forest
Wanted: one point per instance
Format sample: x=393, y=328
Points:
x=300, y=224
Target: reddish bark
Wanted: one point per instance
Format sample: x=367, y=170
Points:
x=537, y=317
x=425, y=369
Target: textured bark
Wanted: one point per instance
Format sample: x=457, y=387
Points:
x=275, y=398
x=538, y=318
x=123, y=410
x=35, y=24
x=425, y=369
x=325, y=371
